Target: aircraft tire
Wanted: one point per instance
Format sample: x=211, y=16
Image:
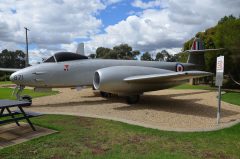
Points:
x=105, y=94
x=28, y=99
x=133, y=99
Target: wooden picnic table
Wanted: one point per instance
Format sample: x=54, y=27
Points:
x=14, y=109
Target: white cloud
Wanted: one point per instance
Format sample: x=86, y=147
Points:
x=165, y=28
x=55, y=24
x=51, y=22
x=149, y=4
x=72, y=47
x=110, y=2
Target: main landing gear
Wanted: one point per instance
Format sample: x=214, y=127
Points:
x=17, y=92
x=133, y=99
x=105, y=94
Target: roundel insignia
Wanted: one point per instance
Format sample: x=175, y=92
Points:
x=179, y=67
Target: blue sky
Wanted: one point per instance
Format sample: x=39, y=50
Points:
x=119, y=11
x=115, y=13
x=146, y=25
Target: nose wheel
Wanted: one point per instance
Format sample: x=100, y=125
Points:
x=18, y=91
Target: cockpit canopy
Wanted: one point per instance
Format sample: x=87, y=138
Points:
x=65, y=56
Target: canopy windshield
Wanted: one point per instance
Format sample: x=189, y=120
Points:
x=65, y=56
x=50, y=59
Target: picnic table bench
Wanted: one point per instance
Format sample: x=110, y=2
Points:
x=17, y=114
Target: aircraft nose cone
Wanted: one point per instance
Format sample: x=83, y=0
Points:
x=12, y=77
x=16, y=78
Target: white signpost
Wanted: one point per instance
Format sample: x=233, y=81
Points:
x=219, y=81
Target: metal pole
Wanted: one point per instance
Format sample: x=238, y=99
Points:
x=27, y=60
x=219, y=105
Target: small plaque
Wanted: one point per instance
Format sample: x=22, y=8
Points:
x=219, y=70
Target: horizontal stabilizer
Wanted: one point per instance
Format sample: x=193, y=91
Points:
x=9, y=69
x=205, y=50
x=167, y=77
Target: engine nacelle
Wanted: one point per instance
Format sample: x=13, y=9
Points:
x=111, y=79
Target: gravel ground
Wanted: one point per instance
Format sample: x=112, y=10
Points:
x=173, y=110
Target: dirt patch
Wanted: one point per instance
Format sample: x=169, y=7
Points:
x=96, y=149
x=11, y=134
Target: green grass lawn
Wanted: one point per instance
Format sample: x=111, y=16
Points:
x=6, y=93
x=5, y=82
x=229, y=97
x=188, y=86
x=81, y=137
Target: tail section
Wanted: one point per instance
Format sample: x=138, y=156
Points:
x=196, y=54
x=197, y=44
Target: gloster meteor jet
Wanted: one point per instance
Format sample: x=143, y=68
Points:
x=128, y=78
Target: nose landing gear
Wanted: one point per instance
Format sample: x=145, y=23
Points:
x=17, y=92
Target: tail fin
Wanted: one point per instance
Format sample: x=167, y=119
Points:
x=196, y=54
x=197, y=44
x=80, y=49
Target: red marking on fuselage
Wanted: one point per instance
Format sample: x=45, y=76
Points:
x=66, y=67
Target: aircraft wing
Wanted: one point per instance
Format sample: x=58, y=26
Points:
x=9, y=69
x=173, y=76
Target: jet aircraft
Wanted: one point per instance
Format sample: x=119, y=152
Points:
x=128, y=78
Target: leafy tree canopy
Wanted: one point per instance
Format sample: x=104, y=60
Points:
x=11, y=59
x=146, y=57
x=226, y=34
x=123, y=51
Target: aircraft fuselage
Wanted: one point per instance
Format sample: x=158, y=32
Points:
x=79, y=72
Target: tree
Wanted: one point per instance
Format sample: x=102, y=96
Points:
x=165, y=56
x=123, y=51
x=226, y=18
x=226, y=34
x=11, y=59
x=101, y=52
x=135, y=53
x=146, y=57
x=159, y=57
x=92, y=56
x=182, y=57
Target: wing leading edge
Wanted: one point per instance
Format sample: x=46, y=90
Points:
x=9, y=69
x=173, y=76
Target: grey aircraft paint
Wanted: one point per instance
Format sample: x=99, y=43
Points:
x=123, y=77
x=79, y=72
